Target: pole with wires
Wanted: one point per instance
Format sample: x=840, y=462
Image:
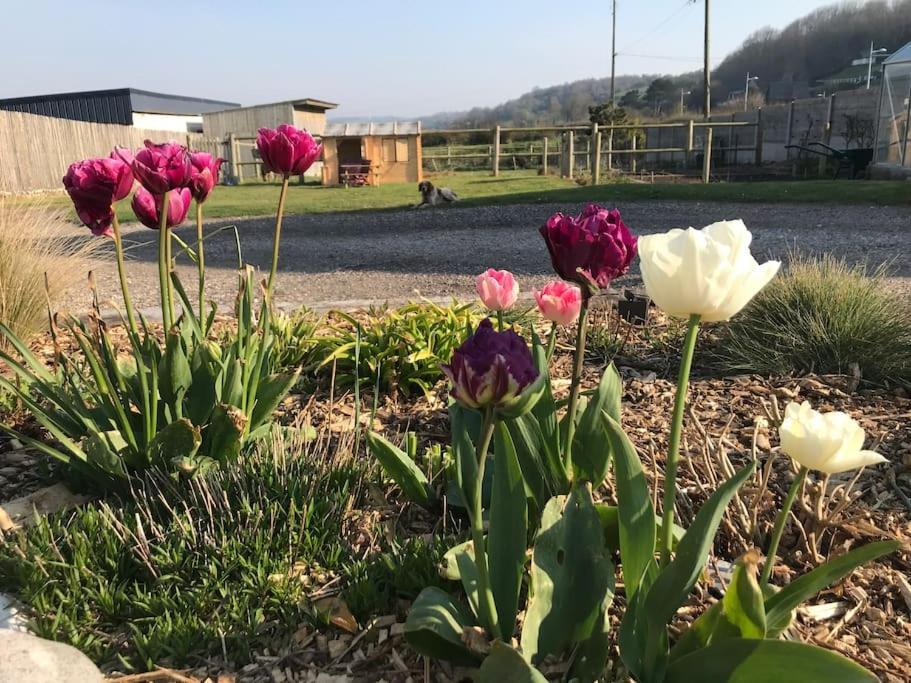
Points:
x=613, y=50
x=707, y=70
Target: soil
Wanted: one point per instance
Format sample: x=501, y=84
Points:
x=866, y=617
x=398, y=255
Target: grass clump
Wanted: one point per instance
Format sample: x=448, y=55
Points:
x=295, y=339
x=192, y=568
x=823, y=316
x=36, y=241
x=397, y=350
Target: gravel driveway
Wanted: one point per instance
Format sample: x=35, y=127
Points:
x=397, y=255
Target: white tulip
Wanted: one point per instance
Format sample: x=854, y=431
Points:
x=826, y=442
x=708, y=272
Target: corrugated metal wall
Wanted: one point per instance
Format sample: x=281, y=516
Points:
x=110, y=107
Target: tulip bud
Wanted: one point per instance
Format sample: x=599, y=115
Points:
x=497, y=289
x=287, y=150
x=829, y=443
x=591, y=249
x=708, y=272
x=493, y=370
x=559, y=302
x=203, y=174
x=146, y=207
x=160, y=168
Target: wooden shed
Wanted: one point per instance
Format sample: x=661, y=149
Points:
x=305, y=113
x=372, y=153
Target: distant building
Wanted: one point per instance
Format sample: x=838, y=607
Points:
x=892, y=149
x=372, y=153
x=305, y=113
x=124, y=106
x=854, y=75
x=787, y=90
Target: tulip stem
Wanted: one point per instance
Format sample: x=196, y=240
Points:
x=552, y=341
x=780, y=522
x=673, y=450
x=121, y=271
x=575, y=386
x=500, y=321
x=164, y=265
x=486, y=606
x=279, y=214
x=201, y=262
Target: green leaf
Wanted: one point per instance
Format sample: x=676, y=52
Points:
x=402, y=469
x=434, y=628
x=459, y=565
x=675, y=581
x=572, y=577
x=779, y=606
x=530, y=451
x=590, y=448
x=610, y=524
x=465, y=427
x=180, y=439
x=505, y=665
x=636, y=515
x=174, y=374
x=202, y=395
x=699, y=634
x=738, y=660
x=223, y=435
x=100, y=453
x=269, y=394
x=508, y=531
x=743, y=605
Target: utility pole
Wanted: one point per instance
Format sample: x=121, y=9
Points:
x=707, y=70
x=683, y=93
x=746, y=91
x=613, y=50
x=880, y=51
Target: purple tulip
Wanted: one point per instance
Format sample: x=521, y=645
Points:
x=203, y=174
x=94, y=185
x=160, y=168
x=145, y=206
x=287, y=150
x=590, y=249
x=490, y=369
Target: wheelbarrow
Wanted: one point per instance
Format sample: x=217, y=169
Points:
x=853, y=160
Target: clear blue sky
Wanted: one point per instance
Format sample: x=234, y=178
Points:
x=379, y=57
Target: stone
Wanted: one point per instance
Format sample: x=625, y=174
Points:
x=24, y=657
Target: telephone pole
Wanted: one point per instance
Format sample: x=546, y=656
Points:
x=613, y=50
x=707, y=70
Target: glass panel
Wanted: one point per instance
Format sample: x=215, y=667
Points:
x=893, y=115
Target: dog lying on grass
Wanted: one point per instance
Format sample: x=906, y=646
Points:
x=432, y=196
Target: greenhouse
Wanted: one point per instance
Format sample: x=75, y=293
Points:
x=893, y=137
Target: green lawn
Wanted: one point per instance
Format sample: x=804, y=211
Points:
x=524, y=187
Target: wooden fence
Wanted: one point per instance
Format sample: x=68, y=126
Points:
x=35, y=151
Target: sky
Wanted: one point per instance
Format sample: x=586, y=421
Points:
x=392, y=57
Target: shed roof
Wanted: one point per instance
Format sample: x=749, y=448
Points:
x=301, y=102
x=903, y=54
x=339, y=130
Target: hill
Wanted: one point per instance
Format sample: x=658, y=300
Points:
x=808, y=49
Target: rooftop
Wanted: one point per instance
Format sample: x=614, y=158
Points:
x=338, y=130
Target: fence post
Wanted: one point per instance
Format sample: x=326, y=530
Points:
x=544, y=155
x=758, y=137
x=788, y=129
x=633, y=164
x=496, y=151
x=610, y=149
x=827, y=131
x=571, y=153
x=707, y=157
x=595, y=149
x=689, y=143
x=232, y=153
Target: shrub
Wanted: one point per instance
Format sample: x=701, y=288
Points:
x=184, y=568
x=35, y=242
x=296, y=344
x=399, y=349
x=822, y=316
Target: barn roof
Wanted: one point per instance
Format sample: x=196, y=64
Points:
x=339, y=130
x=901, y=55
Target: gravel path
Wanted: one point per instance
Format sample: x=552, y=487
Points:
x=397, y=255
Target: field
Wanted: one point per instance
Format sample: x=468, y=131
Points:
x=524, y=187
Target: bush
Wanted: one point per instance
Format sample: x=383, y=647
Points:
x=296, y=344
x=822, y=316
x=36, y=242
x=187, y=567
x=399, y=349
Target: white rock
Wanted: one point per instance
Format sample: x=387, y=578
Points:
x=10, y=614
x=24, y=657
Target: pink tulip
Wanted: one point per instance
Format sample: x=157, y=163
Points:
x=145, y=206
x=204, y=174
x=96, y=218
x=160, y=168
x=559, y=302
x=94, y=185
x=287, y=150
x=498, y=289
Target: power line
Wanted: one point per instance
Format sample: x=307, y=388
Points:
x=661, y=24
